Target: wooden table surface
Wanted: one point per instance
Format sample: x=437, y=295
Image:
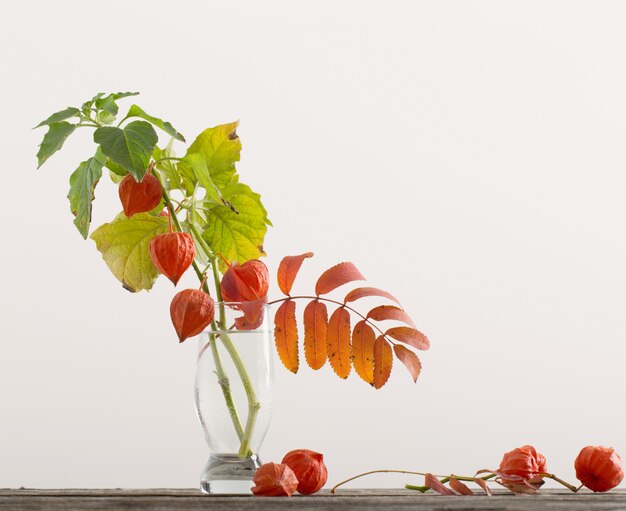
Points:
x=344, y=500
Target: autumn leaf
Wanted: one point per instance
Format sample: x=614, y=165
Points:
x=336, y=276
x=338, y=342
x=460, y=487
x=483, y=484
x=125, y=247
x=383, y=312
x=409, y=359
x=315, y=332
x=383, y=361
x=435, y=484
x=286, y=335
x=363, y=292
x=410, y=336
x=363, y=338
x=288, y=270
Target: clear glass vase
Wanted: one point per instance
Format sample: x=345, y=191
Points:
x=233, y=394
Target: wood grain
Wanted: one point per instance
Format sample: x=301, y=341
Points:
x=344, y=500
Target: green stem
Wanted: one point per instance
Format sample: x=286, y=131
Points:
x=223, y=380
x=569, y=486
x=253, y=404
x=225, y=385
x=445, y=479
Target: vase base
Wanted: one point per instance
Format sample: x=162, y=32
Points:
x=228, y=474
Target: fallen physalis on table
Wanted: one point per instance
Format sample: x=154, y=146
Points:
x=523, y=470
x=300, y=470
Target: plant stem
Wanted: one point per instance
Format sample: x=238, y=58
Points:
x=253, y=404
x=225, y=384
x=223, y=380
x=444, y=479
x=569, y=486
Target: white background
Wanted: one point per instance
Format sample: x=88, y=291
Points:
x=467, y=156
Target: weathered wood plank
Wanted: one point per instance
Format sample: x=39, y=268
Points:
x=345, y=500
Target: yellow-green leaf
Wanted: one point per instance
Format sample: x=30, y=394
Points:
x=221, y=148
x=125, y=247
x=237, y=233
x=193, y=167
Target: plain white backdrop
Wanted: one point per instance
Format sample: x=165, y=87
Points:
x=467, y=156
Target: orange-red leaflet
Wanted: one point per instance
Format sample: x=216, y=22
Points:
x=434, y=483
x=286, y=335
x=383, y=361
x=288, y=270
x=459, y=487
x=389, y=312
x=481, y=482
x=363, y=338
x=338, y=342
x=409, y=359
x=315, y=333
x=336, y=276
x=410, y=336
x=364, y=292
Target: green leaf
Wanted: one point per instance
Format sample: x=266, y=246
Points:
x=105, y=117
x=221, y=148
x=237, y=236
x=105, y=102
x=130, y=147
x=53, y=140
x=120, y=95
x=173, y=178
x=86, y=106
x=136, y=111
x=193, y=167
x=116, y=169
x=115, y=178
x=125, y=247
x=108, y=104
x=69, y=112
x=83, y=182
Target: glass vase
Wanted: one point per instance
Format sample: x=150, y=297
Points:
x=233, y=394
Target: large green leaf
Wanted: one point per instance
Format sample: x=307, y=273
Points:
x=125, y=247
x=69, y=112
x=136, y=111
x=130, y=147
x=83, y=182
x=53, y=140
x=221, y=148
x=237, y=235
